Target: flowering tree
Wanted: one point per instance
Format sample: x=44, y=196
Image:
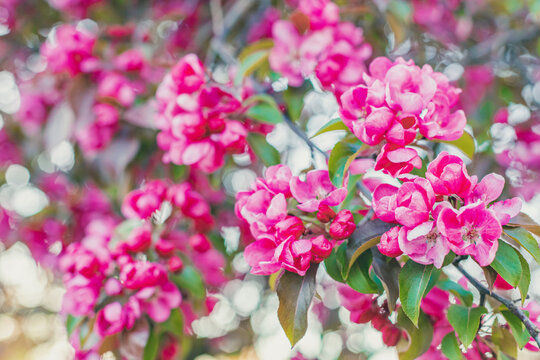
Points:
x=355, y=148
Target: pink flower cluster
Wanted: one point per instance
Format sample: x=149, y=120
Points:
x=283, y=240
x=393, y=102
x=364, y=309
x=439, y=18
x=144, y=202
x=446, y=210
x=520, y=152
x=315, y=41
x=195, y=118
x=69, y=50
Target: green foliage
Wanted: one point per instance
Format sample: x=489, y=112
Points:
x=419, y=336
x=465, y=320
x=450, y=347
x=266, y=152
x=413, y=283
x=340, y=159
x=507, y=264
x=295, y=293
x=191, y=280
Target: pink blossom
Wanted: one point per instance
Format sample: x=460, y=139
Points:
x=384, y=202
x=68, y=49
x=507, y=209
x=439, y=122
x=114, y=86
x=111, y=319
x=294, y=255
x=473, y=230
x=396, y=160
x=389, y=244
x=142, y=274
x=142, y=203
x=140, y=239
x=158, y=301
x=448, y=176
x=414, y=201
x=424, y=244
x=342, y=226
x=316, y=190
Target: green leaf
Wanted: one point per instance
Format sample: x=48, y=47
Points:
x=71, y=323
x=359, y=278
x=526, y=240
x=362, y=249
x=465, y=321
x=336, y=263
x=465, y=296
x=332, y=125
x=465, y=144
x=504, y=341
x=175, y=323
x=387, y=270
x=191, y=280
x=450, y=347
x=519, y=330
x=419, y=337
x=152, y=345
x=264, y=44
x=265, y=113
x=340, y=159
x=249, y=64
x=294, y=98
x=295, y=293
x=266, y=152
x=507, y=264
x=525, y=280
x=413, y=282
x=526, y=222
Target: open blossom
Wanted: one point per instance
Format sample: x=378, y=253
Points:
x=114, y=317
x=423, y=244
x=473, y=230
x=448, y=175
x=316, y=190
x=68, y=49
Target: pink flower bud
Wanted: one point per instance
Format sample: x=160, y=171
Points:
x=325, y=213
x=164, y=247
x=343, y=225
x=175, y=264
x=291, y=226
x=200, y=243
x=140, y=239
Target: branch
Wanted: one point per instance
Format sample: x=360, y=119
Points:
x=302, y=135
x=484, y=291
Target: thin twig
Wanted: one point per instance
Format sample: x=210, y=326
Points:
x=531, y=328
x=302, y=135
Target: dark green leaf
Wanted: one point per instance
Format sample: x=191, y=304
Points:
x=465, y=321
x=362, y=249
x=191, y=280
x=295, y=293
x=359, y=278
x=266, y=152
x=413, y=282
x=518, y=328
x=363, y=235
x=465, y=143
x=152, y=345
x=419, y=337
x=387, y=269
x=332, y=125
x=340, y=159
x=465, y=296
x=526, y=240
x=507, y=263
x=336, y=262
x=450, y=347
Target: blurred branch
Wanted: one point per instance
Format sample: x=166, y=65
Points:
x=484, y=291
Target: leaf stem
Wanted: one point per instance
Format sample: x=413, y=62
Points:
x=484, y=291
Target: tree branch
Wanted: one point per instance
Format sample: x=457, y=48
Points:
x=484, y=291
x=302, y=135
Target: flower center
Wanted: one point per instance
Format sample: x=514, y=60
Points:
x=470, y=235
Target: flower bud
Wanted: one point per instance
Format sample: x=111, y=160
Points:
x=175, y=264
x=325, y=213
x=200, y=243
x=391, y=335
x=343, y=225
